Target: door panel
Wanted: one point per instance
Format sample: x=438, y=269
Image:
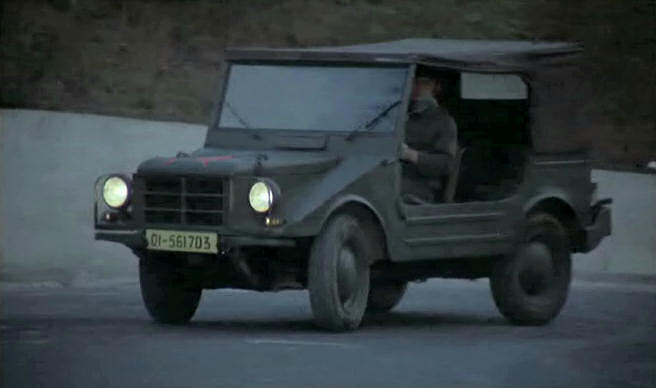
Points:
x=451, y=230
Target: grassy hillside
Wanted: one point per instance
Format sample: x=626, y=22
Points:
x=158, y=59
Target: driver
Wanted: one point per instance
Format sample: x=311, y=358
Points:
x=431, y=142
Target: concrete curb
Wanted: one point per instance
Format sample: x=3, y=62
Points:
x=601, y=277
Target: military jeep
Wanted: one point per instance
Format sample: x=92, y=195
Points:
x=298, y=183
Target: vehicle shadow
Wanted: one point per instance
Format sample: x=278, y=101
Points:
x=422, y=319
x=394, y=320
x=131, y=326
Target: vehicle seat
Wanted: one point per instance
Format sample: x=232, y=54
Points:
x=490, y=172
x=452, y=180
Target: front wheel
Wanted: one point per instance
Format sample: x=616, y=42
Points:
x=166, y=297
x=530, y=286
x=338, y=274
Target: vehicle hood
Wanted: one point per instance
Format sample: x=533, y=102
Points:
x=323, y=177
x=218, y=162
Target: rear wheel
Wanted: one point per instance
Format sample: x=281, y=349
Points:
x=384, y=297
x=338, y=274
x=166, y=296
x=530, y=286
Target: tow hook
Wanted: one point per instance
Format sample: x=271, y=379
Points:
x=243, y=268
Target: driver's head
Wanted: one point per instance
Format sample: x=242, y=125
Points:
x=425, y=86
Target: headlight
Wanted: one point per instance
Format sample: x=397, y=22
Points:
x=116, y=192
x=261, y=197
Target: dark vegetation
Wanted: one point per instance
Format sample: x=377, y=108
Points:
x=158, y=59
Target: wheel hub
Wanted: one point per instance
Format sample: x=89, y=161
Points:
x=537, y=271
x=347, y=274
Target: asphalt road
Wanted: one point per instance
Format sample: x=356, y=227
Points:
x=444, y=334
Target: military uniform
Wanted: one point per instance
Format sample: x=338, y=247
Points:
x=433, y=133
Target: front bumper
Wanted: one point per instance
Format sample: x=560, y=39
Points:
x=598, y=229
x=136, y=239
x=132, y=238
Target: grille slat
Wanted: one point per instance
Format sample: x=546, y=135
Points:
x=187, y=194
x=182, y=200
x=164, y=209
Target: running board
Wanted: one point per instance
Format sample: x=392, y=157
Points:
x=449, y=218
x=459, y=239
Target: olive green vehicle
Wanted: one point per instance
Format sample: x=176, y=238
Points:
x=298, y=184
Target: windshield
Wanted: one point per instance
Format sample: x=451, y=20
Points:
x=312, y=98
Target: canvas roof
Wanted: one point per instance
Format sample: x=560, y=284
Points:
x=464, y=54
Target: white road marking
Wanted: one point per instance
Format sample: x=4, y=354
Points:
x=273, y=341
x=103, y=293
x=37, y=341
x=24, y=336
x=38, y=293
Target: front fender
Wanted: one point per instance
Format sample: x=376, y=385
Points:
x=354, y=199
x=365, y=211
x=311, y=197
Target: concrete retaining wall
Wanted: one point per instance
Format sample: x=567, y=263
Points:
x=48, y=165
x=631, y=249
x=49, y=162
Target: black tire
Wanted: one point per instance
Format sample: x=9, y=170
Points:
x=384, y=297
x=166, y=297
x=338, y=274
x=530, y=287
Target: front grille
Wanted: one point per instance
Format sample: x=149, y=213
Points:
x=182, y=200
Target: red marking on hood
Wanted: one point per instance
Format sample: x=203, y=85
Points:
x=206, y=160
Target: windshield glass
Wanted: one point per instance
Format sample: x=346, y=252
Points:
x=312, y=98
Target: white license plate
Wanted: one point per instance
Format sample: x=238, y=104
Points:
x=179, y=241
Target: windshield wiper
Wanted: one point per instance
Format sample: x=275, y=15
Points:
x=241, y=120
x=369, y=124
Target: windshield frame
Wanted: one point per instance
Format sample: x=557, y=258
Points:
x=225, y=81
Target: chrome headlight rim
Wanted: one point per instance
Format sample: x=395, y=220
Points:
x=262, y=195
x=127, y=182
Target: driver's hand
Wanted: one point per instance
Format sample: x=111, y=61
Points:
x=408, y=154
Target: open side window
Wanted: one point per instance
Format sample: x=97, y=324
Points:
x=492, y=116
x=492, y=113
